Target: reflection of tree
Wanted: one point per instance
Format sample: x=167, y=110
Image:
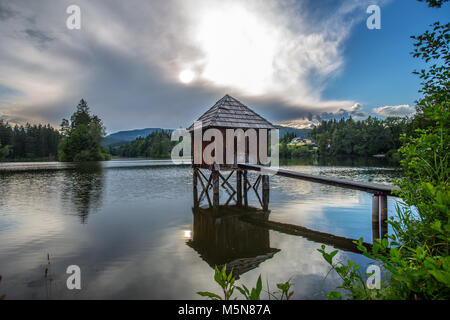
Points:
x=83, y=186
x=2, y=296
x=225, y=239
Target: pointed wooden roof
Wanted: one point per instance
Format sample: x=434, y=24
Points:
x=228, y=112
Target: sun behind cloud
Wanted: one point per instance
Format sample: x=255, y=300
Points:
x=186, y=76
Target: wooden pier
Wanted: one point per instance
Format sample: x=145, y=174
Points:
x=228, y=113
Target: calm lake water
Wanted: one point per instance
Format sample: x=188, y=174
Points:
x=130, y=227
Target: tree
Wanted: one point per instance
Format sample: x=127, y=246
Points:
x=5, y=151
x=81, y=138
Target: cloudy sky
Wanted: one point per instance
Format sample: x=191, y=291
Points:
x=163, y=63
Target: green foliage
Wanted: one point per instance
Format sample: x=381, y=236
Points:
x=295, y=152
x=158, y=144
x=435, y=3
x=226, y=282
x=425, y=154
x=415, y=258
x=283, y=291
x=353, y=280
x=81, y=138
x=254, y=293
x=5, y=151
x=287, y=138
x=411, y=273
x=28, y=142
x=228, y=285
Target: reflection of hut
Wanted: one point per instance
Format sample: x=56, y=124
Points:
x=225, y=239
x=230, y=133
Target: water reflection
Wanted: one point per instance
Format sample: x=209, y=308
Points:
x=83, y=188
x=225, y=239
x=137, y=221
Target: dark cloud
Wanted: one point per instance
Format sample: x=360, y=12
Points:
x=38, y=36
x=5, y=11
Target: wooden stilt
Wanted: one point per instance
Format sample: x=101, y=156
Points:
x=195, y=182
x=215, y=183
x=265, y=192
x=239, y=187
x=383, y=215
x=375, y=217
x=205, y=188
x=245, y=189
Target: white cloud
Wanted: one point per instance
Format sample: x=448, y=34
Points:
x=395, y=111
x=130, y=56
x=265, y=48
x=356, y=107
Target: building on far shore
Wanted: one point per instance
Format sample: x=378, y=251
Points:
x=299, y=141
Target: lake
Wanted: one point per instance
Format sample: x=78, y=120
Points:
x=130, y=226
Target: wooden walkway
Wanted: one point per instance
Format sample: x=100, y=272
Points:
x=374, y=188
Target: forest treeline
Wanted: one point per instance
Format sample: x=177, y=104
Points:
x=350, y=138
x=362, y=138
x=77, y=140
x=334, y=138
x=155, y=145
x=28, y=142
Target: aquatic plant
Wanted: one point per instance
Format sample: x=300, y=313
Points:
x=228, y=284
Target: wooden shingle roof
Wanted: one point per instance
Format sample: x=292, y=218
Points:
x=231, y=113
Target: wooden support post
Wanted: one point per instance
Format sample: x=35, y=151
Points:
x=239, y=187
x=195, y=182
x=245, y=189
x=375, y=217
x=215, y=183
x=383, y=215
x=265, y=192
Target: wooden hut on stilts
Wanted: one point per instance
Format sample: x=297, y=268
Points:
x=239, y=135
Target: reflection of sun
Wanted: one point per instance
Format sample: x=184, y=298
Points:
x=186, y=76
x=187, y=234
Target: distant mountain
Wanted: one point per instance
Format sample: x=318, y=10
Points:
x=298, y=132
x=124, y=137
x=313, y=120
x=301, y=123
